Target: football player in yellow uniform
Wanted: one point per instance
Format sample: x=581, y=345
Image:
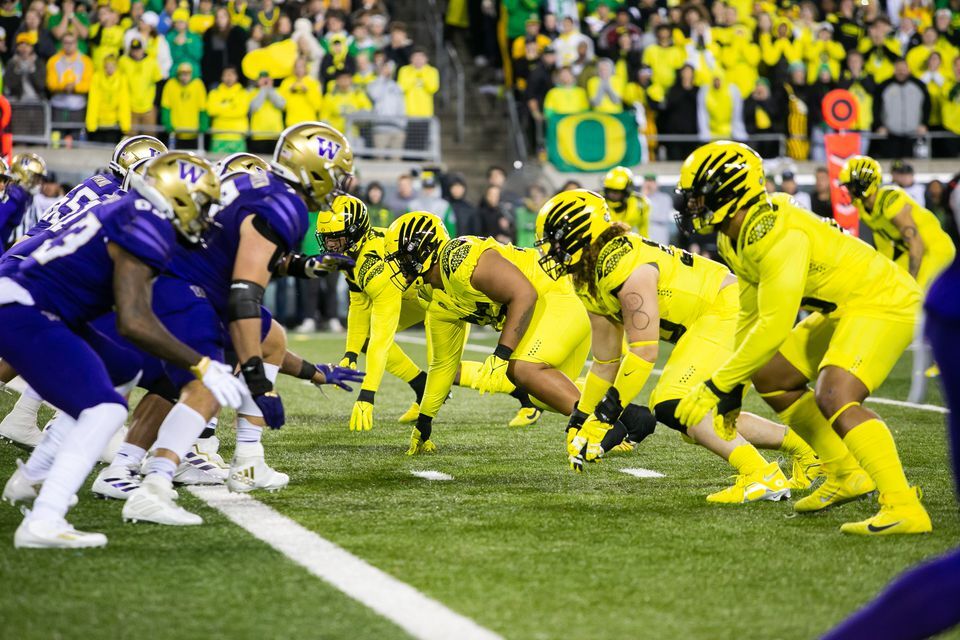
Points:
x=903, y=231
x=865, y=308
x=625, y=204
x=638, y=290
x=544, y=330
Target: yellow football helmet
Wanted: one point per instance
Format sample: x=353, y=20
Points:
x=316, y=158
x=347, y=218
x=243, y=162
x=716, y=181
x=185, y=187
x=412, y=245
x=28, y=170
x=861, y=177
x=566, y=226
x=617, y=185
x=132, y=150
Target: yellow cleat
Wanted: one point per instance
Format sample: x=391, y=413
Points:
x=410, y=415
x=836, y=491
x=766, y=483
x=624, y=447
x=896, y=516
x=805, y=472
x=526, y=417
x=419, y=445
x=933, y=371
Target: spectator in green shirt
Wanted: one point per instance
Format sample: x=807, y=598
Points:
x=380, y=216
x=72, y=22
x=185, y=46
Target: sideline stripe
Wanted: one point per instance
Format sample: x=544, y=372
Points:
x=432, y=475
x=642, y=473
x=417, y=614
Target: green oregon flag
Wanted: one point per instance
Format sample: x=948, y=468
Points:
x=592, y=141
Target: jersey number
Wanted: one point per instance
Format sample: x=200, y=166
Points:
x=686, y=258
x=71, y=240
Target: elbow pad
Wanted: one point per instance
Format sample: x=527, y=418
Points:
x=244, y=301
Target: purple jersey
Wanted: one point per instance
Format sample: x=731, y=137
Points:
x=92, y=189
x=14, y=202
x=263, y=195
x=71, y=273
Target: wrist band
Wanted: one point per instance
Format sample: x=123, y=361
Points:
x=307, y=370
x=503, y=352
x=366, y=395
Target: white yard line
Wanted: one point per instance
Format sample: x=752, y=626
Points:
x=639, y=472
x=417, y=614
x=429, y=474
x=910, y=405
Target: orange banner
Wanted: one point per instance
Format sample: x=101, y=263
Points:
x=839, y=147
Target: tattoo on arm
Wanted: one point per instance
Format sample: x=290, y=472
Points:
x=633, y=312
x=524, y=322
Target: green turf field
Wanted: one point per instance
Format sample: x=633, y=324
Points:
x=515, y=542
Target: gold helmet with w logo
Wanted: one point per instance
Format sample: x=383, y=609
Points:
x=412, y=245
x=716, y=181
x=566, y=226
x=133, y=150
x=243, y=162
x=28, y=170
x=184, y=186
x=347, y=218
x=860, y=176
x=315, y=158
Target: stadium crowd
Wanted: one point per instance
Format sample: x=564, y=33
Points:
x=733, y=68
x=241, y=71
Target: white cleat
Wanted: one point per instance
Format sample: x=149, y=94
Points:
x=203, y=464
x=154, y=502
x=116, y=482
x=252, y=472
x=19, y=491
x=110, y=451
x=20, y=428
x=54, y=534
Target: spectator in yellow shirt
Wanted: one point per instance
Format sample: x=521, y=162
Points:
x=301, y=94
x=203, y=19
x=106, y=36
x=566, y=97
x=228, y=106
x=108, y=108
x=343, y=100
x=664, y=57
x=605, y=90
x=266, y=115
x=142, y=73
x=365, y=73
x=184, y=107
x=419, y=82
x=68, y=80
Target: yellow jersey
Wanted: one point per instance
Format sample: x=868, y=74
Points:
x=787, y=258
x=460, y=300
x=635, y=213
x=890, y=201
x=687, y=285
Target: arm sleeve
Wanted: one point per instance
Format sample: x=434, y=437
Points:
x=431, y=80
x=783, y=273
x=384, y=315
x=358, y=321
x=748, y=311
x=445, y=340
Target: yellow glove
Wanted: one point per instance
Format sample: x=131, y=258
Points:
x=361, y=419
x=349, y=360
x=584, y=446
x=695, y=406
x=492, y=375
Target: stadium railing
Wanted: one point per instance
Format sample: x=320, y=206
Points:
x=31, y=121
x=421, y=140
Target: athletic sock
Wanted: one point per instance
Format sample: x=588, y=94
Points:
x=796, y=447
x=400, y=365
x=161, y=466
x=872, y=444
x=179, y=430
x=523, y=398
x=248, y=439
x=468, y=372
x=746, y=459
x=128, y=455
x=210, y=430
x=79, y=451
x=38, y=464
x=805, y=417
x=419, y=384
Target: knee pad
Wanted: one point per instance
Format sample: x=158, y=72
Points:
x=666, y=414
x=639, y=421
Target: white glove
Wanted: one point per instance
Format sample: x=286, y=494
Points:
x=219, y=379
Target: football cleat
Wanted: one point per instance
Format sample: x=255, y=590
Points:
x=110, y=451
x=766, y=483
x=56, y=534
x=805, y=472
x=933, y=371
x=20, y=428
x=526, y=416
x=249, y=473
x=203, y=464
x=154, y=501
x=410, y=415
x=896, y=516
x=626, y=446
x=418, y=445
x=116, y=482
x=19, y=491
x=836, y=491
